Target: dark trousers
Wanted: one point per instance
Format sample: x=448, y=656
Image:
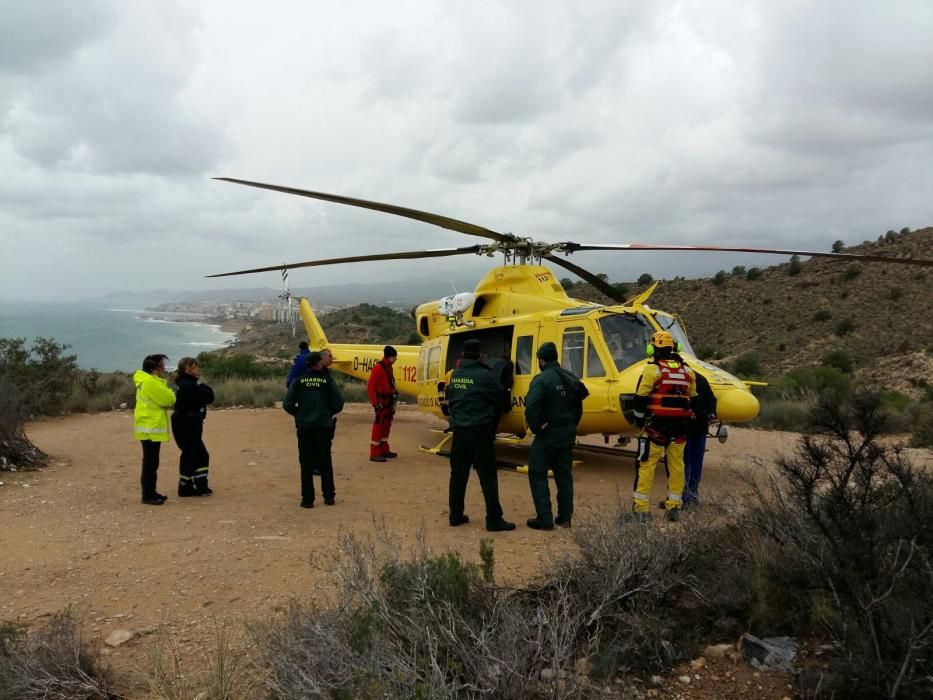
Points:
x=194, y=460
x=150, y=467
x=560, y=461
x=474, y=447
x=314, y=453
x=693, y=467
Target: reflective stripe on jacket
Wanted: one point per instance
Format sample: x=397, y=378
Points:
x=153, y=399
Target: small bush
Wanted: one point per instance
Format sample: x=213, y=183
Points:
x=895, y=294
x=795, y=266
x=239, y=365
x=748, y=364
x=845, y=326
x=823, y=315
x=753, y=274
x=784, y=414
x=645, y=279
x=256, y=393
x=905, y=231
x=839, y=359
x=738, y=271
x=838, y=246
x=852, y=271
x=53, y=662
x=922, y=435
x=719, y=278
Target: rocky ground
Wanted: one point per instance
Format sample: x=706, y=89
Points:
x=75, y=534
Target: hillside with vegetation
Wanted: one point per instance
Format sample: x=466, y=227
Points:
x=873, y=319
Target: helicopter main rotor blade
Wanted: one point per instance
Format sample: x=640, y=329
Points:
x=571, y=247
x=426, y=217
x=409, y=255
x=600, y=284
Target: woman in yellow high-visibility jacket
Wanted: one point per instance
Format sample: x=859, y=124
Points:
x=153, y=399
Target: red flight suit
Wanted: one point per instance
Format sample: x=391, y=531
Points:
x=382, y=395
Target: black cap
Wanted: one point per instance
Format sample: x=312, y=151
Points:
x=313, y=358
x=303, y=345
x=389, y=351
x=547, y=352
x=472, y=348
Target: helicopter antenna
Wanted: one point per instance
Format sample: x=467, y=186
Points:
x=454, y=287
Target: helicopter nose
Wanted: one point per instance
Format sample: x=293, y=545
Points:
x=736, y=406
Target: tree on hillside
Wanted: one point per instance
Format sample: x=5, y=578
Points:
x=566, y=283
x=795, y=265
x=645, y=280
x=838, y=246
x=33, y=380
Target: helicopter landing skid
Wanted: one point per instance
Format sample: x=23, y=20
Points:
x=438, y=449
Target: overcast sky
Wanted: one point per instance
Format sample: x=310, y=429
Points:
x=765, y=123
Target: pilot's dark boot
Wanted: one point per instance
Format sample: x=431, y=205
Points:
x=186, y=488
x=201, y=488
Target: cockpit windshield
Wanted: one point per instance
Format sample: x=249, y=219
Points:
x=627, y=336
x=669, y=324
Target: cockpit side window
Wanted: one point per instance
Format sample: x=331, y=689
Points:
x=594, y=366
x=571, y=354
x=670, y=324
x=627, y=336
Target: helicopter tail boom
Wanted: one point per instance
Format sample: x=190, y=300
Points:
x=316, y=337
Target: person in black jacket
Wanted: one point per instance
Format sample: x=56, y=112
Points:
x=191, y=403
x=704, y=409
x=476, y=399
x=314, y=399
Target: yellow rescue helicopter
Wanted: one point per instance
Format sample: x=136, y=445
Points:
x=518, y=306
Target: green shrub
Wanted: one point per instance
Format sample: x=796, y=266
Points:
x=645, y=279
x=738, y=271
x=922, y=435
x=795, y=266
x=256, y=393
x=807, y=382
x=852, y=271
x=839, y=359
x=753, y=274
x=845, y=326
x=838, y=246
x=823, y=315
x=784, y=414
x=748, y=364
x=895, y=294
x=240, y=365
x=719, y=278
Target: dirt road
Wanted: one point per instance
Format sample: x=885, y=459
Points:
x=76, y=534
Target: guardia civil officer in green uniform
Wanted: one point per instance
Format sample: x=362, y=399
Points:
x=553, y=407
x=475, y=400
x=314, y=399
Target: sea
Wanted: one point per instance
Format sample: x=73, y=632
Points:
x=110, y=339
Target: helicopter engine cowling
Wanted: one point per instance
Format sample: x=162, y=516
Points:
x=456, y=304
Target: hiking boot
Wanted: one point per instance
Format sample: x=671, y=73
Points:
x=673, y=515
x=153, y=501
x=459, y=520
x=307, y=504
x=380, y=458
x=538, y=524
x=186, y=492
x=390, y=454
x=161, y=497
x=562, y=522
x=500, y=526
x=329, y=501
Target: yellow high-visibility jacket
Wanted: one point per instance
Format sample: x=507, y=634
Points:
x=153, y=399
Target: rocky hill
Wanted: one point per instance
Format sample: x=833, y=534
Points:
x=795, y=313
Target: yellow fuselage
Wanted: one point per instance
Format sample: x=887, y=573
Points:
x=518, y=308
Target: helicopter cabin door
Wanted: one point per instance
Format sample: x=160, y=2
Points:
x=524, y=347
x=582, y=353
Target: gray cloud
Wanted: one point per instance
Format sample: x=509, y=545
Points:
x=679, y=122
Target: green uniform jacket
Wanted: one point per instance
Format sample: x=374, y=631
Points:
x=314, y=399
x=153, y=399
x=554, y=405
x=474, y=396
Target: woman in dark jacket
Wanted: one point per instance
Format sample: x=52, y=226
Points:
x=187, y=427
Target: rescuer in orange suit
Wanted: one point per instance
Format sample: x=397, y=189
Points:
x=382, y=395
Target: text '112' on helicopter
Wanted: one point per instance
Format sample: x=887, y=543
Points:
x=518, y=306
